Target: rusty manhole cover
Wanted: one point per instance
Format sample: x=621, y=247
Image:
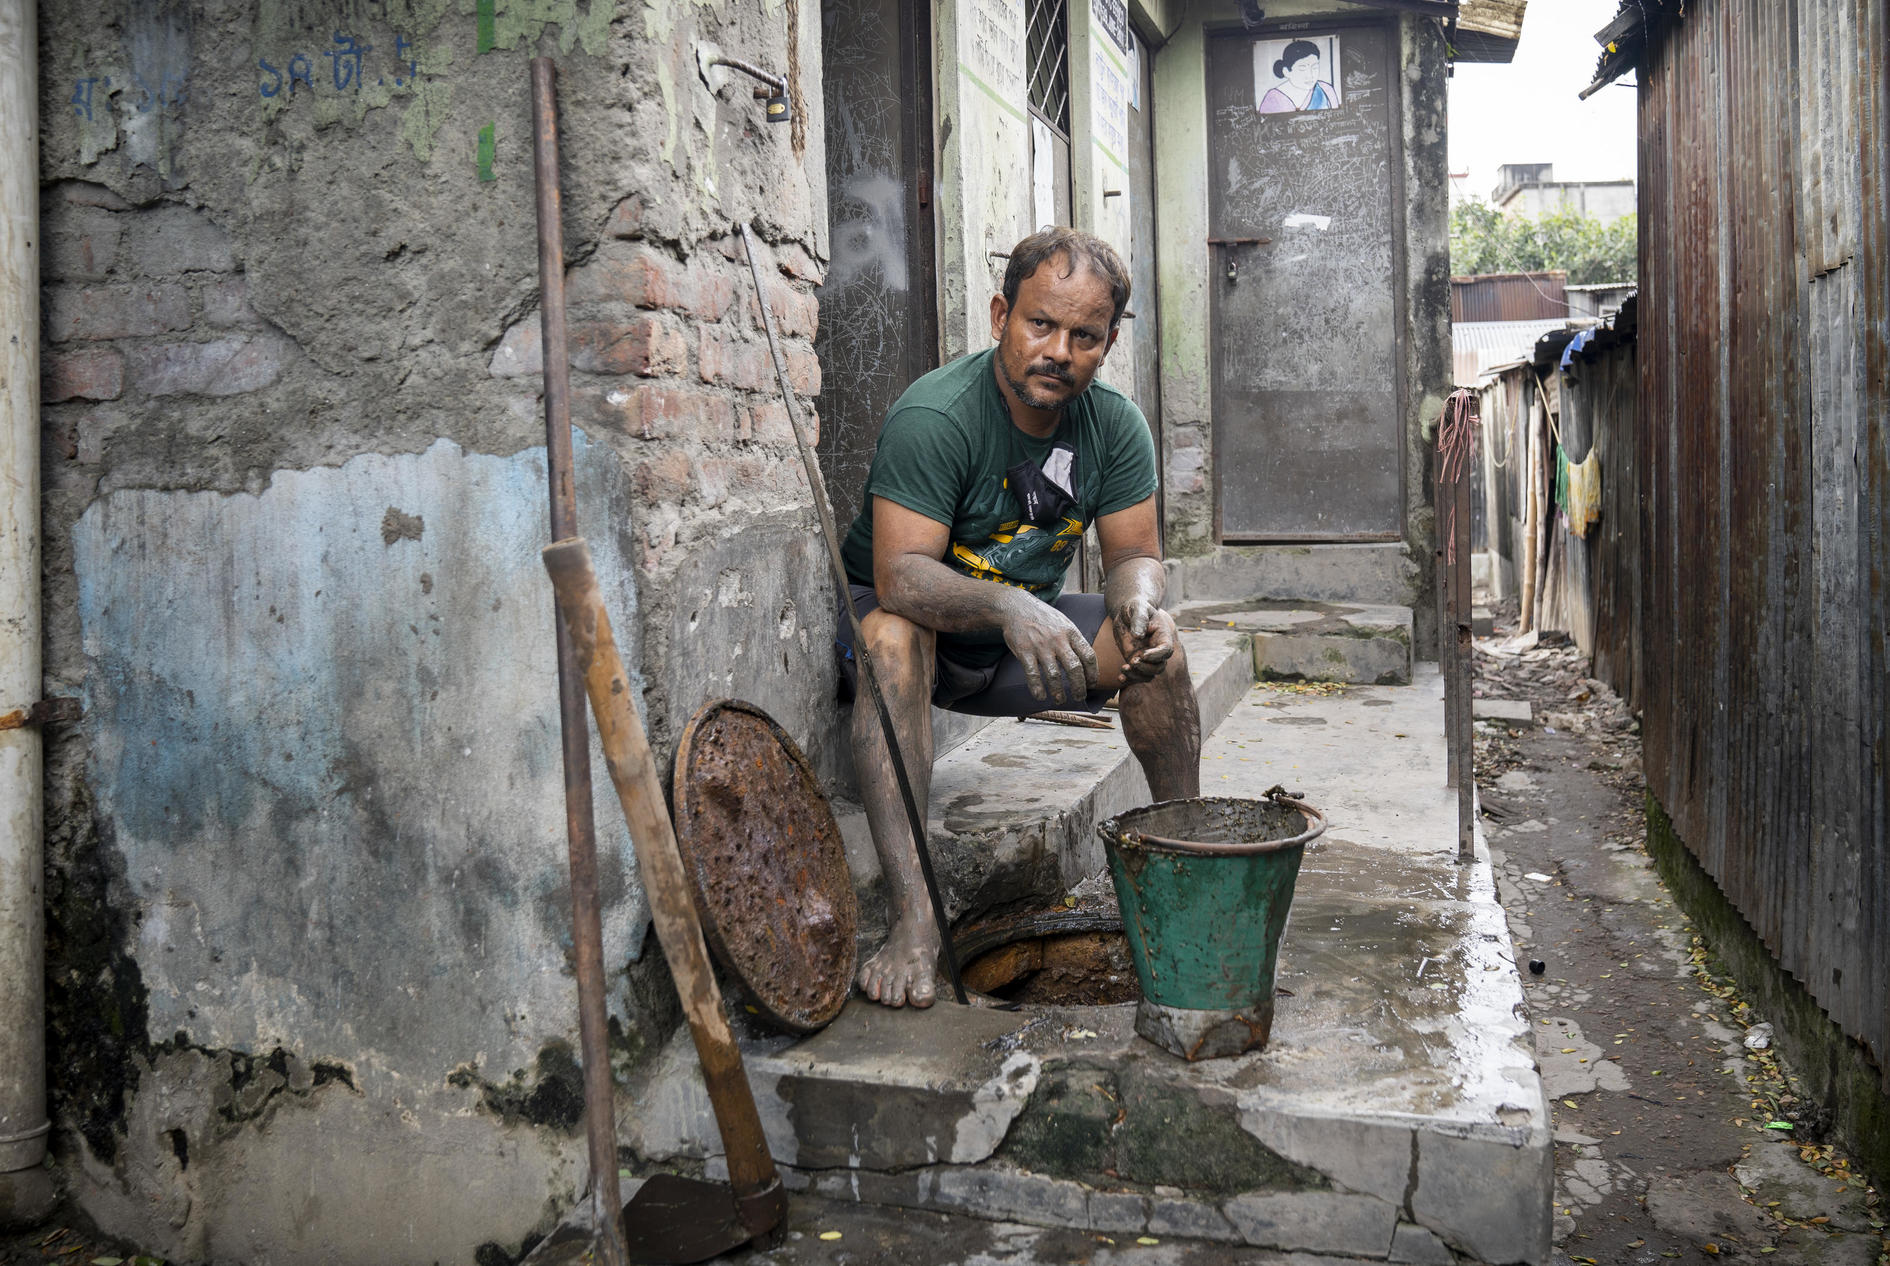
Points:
x=766, y=862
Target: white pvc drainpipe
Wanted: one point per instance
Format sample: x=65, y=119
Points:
x=23, y=1124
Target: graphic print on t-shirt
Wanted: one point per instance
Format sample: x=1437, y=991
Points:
x=1021, y=555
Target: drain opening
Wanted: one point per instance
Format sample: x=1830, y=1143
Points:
x=1063, y=956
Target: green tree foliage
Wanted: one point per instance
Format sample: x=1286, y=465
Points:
x=1484, y=240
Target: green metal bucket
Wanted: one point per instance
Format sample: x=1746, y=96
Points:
x=1205, y=886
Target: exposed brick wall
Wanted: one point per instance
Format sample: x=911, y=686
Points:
x=670, y=351
x=280, y=312
x=138, y=302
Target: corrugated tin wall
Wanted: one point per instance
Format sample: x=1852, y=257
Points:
x=1601, y=595
x=1510, y=297
x=1764, y=470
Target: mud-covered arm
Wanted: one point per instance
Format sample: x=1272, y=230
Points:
x=913, y=581
x=1134, y=583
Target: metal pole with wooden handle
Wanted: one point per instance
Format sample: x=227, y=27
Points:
x=759, y=1198
x=587, y=928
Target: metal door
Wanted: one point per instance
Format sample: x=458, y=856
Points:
x=1303, y=214
x=878, y=314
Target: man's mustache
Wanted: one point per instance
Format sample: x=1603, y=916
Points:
x=1057, y=372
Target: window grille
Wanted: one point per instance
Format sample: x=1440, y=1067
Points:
x=1047, y=44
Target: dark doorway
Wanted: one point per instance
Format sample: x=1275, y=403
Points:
x=1308, y=387
x=878, y=309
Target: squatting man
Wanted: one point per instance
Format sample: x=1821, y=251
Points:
x=988, y=471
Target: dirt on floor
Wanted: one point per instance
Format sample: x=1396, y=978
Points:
x=1679, y=1137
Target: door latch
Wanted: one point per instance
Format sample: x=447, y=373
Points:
x=1233, y=258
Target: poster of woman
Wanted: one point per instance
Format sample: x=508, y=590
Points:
x=1297, y=74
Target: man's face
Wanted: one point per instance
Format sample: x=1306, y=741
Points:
x=1053, y=339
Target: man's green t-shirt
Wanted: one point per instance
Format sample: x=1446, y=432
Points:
x=946, y=452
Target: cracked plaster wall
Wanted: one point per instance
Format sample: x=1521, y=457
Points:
x=294, y=476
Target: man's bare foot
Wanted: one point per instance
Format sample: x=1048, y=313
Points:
x=905, y=969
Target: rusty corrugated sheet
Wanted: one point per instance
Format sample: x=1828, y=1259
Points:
x=1509, y=297
x=1763, y=465
x=1601, y=577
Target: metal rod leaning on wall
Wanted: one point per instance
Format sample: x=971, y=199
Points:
x=760, y=1202
x=587, y=927
x=868, y=677
x=1441, y=504
x=1464, y=738
x=1456, y=447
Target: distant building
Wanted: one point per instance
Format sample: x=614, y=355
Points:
x=1531, y=189
x=1496, y=318
x=1598, y=302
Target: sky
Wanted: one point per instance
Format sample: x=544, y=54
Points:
x=1529, y=111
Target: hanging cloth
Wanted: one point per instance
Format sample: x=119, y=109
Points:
x=1580, y=486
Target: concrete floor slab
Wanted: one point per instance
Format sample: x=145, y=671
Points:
x=1399, y=1089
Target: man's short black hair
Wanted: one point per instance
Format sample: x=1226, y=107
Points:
x=1081, y=249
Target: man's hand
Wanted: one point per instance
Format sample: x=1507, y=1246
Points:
x=1059, y=665
x=1146, y=634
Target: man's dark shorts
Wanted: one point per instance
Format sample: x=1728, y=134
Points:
x=998, y=690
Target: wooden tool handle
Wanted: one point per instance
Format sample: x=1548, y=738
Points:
x=633, y=771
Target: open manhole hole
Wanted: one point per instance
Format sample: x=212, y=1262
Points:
x=1062, y=956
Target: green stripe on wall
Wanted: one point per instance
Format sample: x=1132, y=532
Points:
x=487, y=34
x=487, y=151
x=992, y=93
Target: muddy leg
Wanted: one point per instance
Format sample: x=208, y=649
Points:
x=903, y=970
x=1161, y=721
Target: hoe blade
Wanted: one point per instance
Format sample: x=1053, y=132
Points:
x=672, y=1221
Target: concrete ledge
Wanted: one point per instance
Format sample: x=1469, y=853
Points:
x=1383, y=572
x=1315, y=1222
x=1317, y=641
x=1516, y=712
x=1015, y=805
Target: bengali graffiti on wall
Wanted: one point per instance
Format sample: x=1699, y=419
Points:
x=336, y=59
x=346, y=68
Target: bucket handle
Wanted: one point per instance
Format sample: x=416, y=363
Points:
x=1278, y=795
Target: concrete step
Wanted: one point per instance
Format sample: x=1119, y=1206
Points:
x=1329, y=573
x=1509, y=712
x=1316, y=641
x=1015, y=805
x=1396, y=1114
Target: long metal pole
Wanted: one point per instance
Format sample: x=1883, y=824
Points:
x=1442, y=505
x=759, y=1199
x=25, y=1186
x=1463, y=739
x=587, y=925
x=818, y=486
x=1456, y=447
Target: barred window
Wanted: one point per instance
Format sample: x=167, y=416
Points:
x=1047, y=43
